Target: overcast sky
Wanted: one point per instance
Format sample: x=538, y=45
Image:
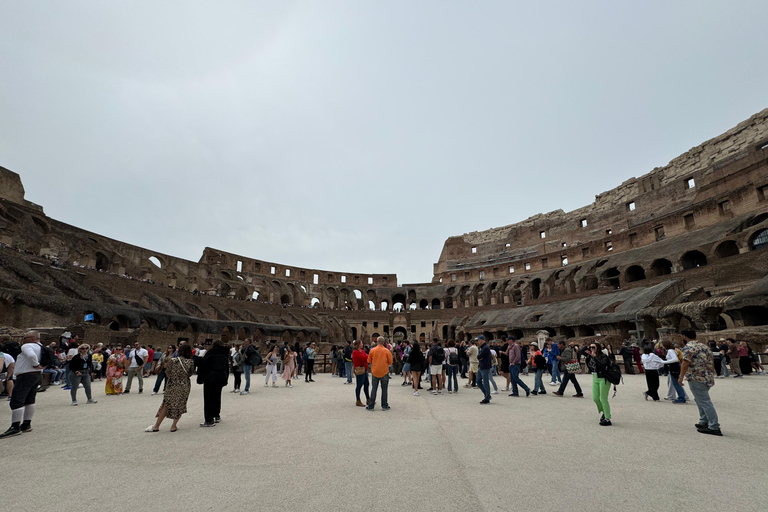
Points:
x=357, y=136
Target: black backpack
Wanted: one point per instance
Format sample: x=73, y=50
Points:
x=47, y=357
x=453, y=358
x=12, y=348
x=438, y=356
x=613, y=373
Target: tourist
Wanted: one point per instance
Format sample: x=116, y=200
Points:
x=360, y=364
x=380, y=359
x=484, y=369
x=310, y=368
x=651, y=364
x=514, y=354
x=28, y=376
x=733, y=354
x=416, y=362
x=6, y=372
x=745, y=362
x=473, y=363
x=504, y=362
x=348, y=361
x=71, y=352
x=698, y=366
x=301, y=358
x=554, y=361
x=332, y=357
x=148, y=360
x=135, y=365
x=160, y=368
x=464, y=359
x=717, y=358
x=627, y=353
x=80, y=368
x=98, y=360
x=340, y=363
x=524, y=359
x=568, y=355
x=212, y=373
x=452, y=367
x=637, y=358
x=178, y=370
x=271, y=367
x=237, y=368
x=756, y=364
x=435, y=358
x=406, y=364
x=723, y=346
x=673, y=366
x=598, y=363
x=539, y=364
x=115, y=367
x=289, y=366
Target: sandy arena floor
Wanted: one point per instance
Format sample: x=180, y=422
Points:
x=310, y=448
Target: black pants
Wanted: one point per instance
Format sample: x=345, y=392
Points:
x=718, y=366
x=211, y=401
x=628, y=366
x=25, y=390
x=310, y=369
x=237, y=379
x=569, y=377
x=652, y=379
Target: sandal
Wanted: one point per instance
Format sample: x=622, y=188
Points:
x=151, y=429
x=174, y=429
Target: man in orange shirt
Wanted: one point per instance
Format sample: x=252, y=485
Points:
x=380, y=360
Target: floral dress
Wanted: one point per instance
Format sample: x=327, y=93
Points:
x=115, y=369
x=177, y=371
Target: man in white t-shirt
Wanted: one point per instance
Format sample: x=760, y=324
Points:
x=28, y=375
x=136, y=366
x=7, y=364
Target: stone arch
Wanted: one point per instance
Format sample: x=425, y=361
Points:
x=535, y=288
x=661, y=267
x=589, y=282
x=758, y=240
x=693, y=259
x=568, y=332
x=435, y=303
x=585, y=330
x=611, y=278
x=102, y=262
x=285, y=299
x=727, y=249
x=423, y=304
x=155, y=261
x=634, y=273
x=517, y=333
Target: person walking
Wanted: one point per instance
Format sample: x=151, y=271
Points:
x=504, y=362
x=568, y=354
x=698, y=367
x=178, y=370
x=598, y=363
x=484, y=369
x=29, y=372
x=271, y=367
x=380, y=358
x=360, y=363
x=136, y=359
x=733, y=355
x=213, y=373
x=289, y=365
x=250, y=354
x=310, y=367
x=514, y=353
x=673, y=366
x=237, y=367
x=80, y=368
x=651, y=363
x=539, y=363
x=452, y=367
x=417, y=362
x=552, y=360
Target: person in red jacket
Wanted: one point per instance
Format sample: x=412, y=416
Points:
x=360, y=363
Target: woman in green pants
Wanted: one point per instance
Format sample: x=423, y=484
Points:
x=598, y=362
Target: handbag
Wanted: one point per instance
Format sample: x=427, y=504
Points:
x=359, y=370
x=573, y=366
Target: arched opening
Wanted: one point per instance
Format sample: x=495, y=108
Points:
x=566, y=331
x=226, y=335
x=255, y=295
x=398, y=306
x=243, y=333
x=315, y=302
x=102, y=262
x=445, y=332
x=693, y=259
x=551, y=331
x=585, y=330
x=285, y=299
x=242, y=293
x=661, y=267
x=399, y=334
x=590, y=282
x=398, y=297
x=155, y=261
x=384, y=305
x=759, y=240
x=754, y=315
x=757, y=219
x=448, y=303
x=435, y=303
x=517, y=297
x=634, y=273
x=727, y=249
x=113, y=326
x=371, y=305
x=423, y=304
x=612, y=278
x=517, y=333
x=535, y=288
x=413, y=306
x=354, y=332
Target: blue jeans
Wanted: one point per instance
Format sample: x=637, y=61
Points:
x=384, y=381
x=247, y=374
x=678, y=388
x=707, y=413
x=348, y=369
x=362, y=382
x=491, y=381
x=452, y=372
x=483, y=377
x=538, y=385
x=160, y=378
x=514, y=378
x=555, y=373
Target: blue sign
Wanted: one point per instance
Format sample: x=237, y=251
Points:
x=88, y=318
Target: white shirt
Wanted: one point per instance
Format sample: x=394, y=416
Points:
x=142, y=354
x=671, y=356
x=28, y=359
x=652, y=361
x=9, y=360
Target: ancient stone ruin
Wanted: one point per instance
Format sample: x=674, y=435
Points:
x=683, y=245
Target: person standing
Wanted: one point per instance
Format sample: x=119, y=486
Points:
x=160, y=368
x=484, y=369
x=136, y=359
x=473, y=363
x=733, y=354
x=416, y=361
x=115, y=367
x=271, y=367
x=348, y=361
x=452, y=369
x=504, y=362
x=435, y=358
x=598, y=363
x=380, y=358
x=514, y=353
x=673, y=366
x=289, y=365
x=567, y=355
x=178, y=370
x=237, y=367
x=552, y=359
x=249, y=357
x=699, y=367
x=310, y=368
x=360, y=363
x=80, y=368
x=406, y=364
x=28, y=376
x=212, y=373
x=651, y=363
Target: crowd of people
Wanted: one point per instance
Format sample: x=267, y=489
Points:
x=74, y=365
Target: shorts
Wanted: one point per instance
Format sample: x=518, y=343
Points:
x=25, y=391
x=473, y=367
x=407, y=367
x=436, y=369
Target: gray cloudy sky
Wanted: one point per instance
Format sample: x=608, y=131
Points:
x=357, y=136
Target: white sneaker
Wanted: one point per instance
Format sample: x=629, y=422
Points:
x=450, y=392
x=244, y=393
x=434, y=392
x=155, y=392
x=505, y=389
x=74, y=403
x=266, y=384
x=440, y=392
x=553, y=383
x=290, y=385
x=495, y=392
x=274, y=385
x=415, y=393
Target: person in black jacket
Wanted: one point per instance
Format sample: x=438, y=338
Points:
x=213, y=374
x=416, y=360
x=80, y=372
x=599, y=362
